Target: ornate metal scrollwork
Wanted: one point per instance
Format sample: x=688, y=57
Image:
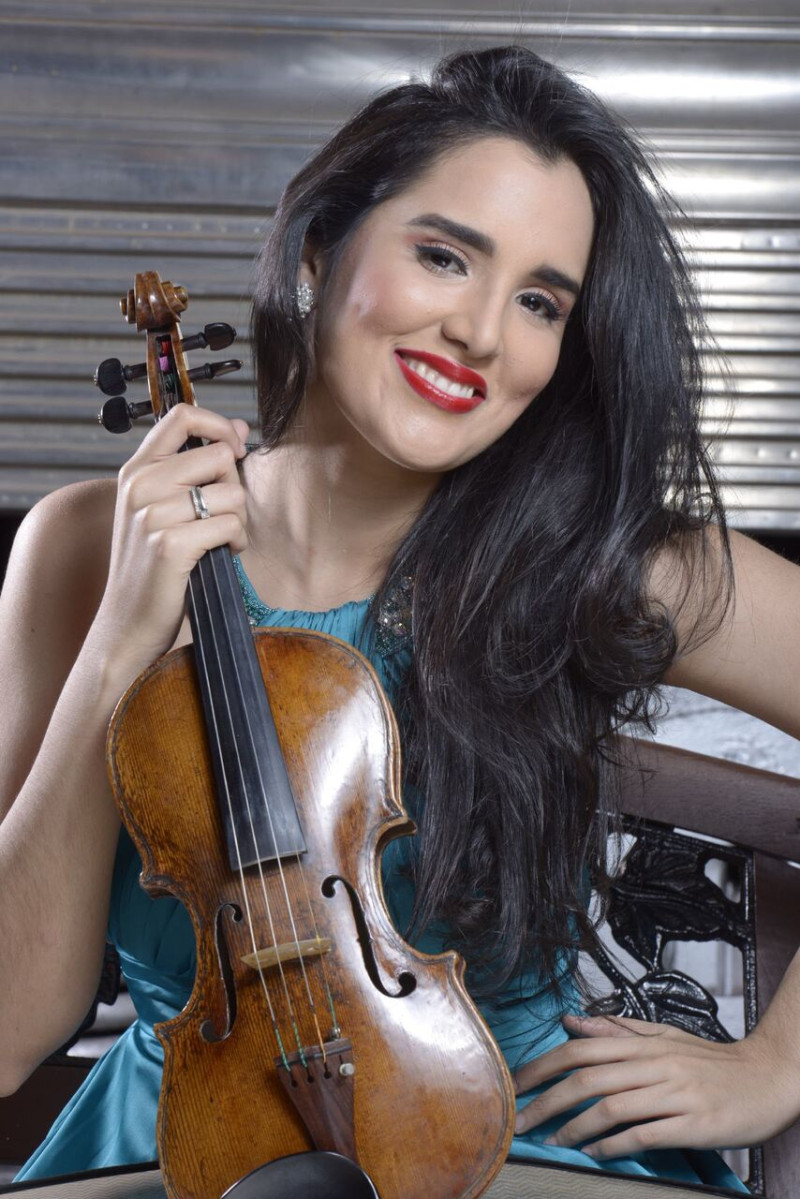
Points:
x=663, y=894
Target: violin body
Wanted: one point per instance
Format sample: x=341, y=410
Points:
x=410, y=1082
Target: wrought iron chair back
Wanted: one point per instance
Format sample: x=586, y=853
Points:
x=664, y=895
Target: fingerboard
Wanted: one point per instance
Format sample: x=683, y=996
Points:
x=255, y=798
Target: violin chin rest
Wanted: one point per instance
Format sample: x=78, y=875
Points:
x=312, y=1175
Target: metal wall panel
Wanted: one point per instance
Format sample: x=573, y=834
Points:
x=152, y=137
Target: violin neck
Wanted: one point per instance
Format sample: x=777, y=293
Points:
x=255, y=798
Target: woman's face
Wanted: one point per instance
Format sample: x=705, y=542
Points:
x=445, y=314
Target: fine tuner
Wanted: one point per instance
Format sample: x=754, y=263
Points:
x=118, y=414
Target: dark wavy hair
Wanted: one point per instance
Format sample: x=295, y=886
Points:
x=534, y=638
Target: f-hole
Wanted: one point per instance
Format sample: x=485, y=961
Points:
x=405, y=980
x=207, y=1030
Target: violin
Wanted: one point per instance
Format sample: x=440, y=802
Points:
x=258, y=775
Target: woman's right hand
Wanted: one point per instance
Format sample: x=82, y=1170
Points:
x=157, y=537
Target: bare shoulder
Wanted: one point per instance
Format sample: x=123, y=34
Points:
x=59, y=561
x=746, y=652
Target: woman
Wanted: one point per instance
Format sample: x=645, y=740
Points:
x=476, y=358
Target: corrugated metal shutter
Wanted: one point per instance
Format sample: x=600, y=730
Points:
x=133, y=138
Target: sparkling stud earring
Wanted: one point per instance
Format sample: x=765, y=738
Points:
x=306, y=299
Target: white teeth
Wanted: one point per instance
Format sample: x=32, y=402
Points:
x=441, y=381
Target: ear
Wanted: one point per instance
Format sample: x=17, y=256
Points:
x=312, y=267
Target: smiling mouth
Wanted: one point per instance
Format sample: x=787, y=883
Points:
x=459, y=390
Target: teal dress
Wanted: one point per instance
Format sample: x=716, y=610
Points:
x=111, y=1120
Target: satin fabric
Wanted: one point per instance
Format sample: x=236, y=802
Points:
x=111, y=1119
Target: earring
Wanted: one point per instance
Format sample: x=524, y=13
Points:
x=306, y=299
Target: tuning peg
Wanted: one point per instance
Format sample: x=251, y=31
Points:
x=210, y=370
x=111, y=375
x=117, y=415
x=217, y=336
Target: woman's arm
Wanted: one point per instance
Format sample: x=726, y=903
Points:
x=83, y=611
x=674, y=1089
x=752, y=660
x=57, y=840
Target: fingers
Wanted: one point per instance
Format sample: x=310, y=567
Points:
x=218, y=498
x=584, y=1085
x=150, y=480
x=221, y=499
x=187, y=420
x=615, y=1026
x=156, y=480
x=242, y=429
x=573, y=1055
x=158, y=537
x=157, y=471
x=671, y=1088
x=602, y=1039
x=635, y=1106
x=156, y=497
x=656, y=1134
x=184, y=545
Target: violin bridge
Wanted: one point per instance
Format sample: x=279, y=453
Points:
x=289, y=951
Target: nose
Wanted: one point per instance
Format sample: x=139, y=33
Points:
x=476, y=323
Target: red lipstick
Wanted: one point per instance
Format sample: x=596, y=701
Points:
x=451, y=370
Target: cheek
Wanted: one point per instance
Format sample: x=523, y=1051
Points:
x=382, y=301
x=531, y=369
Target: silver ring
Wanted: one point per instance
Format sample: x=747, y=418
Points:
x=199, y=503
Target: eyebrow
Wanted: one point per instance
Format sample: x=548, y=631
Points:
x=486, y=245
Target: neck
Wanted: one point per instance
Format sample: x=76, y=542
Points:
x=326, y=514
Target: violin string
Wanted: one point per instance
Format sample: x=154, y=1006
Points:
x=267, y=809
x=335, y=1029
x=250, y=925
x=267, y=906
x=278, y=862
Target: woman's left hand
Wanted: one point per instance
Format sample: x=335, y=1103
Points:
x=672, y=1089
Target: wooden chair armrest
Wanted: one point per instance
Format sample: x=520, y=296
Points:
x=754, y=808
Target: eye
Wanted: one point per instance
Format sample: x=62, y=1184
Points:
x=441, y=259
x=543, y=305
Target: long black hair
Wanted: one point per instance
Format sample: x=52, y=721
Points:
x=534, y=638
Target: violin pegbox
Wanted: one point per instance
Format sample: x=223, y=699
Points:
x=155, y=307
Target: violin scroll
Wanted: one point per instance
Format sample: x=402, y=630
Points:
x=151, y=304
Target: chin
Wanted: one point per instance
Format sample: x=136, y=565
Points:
x=425, y=462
